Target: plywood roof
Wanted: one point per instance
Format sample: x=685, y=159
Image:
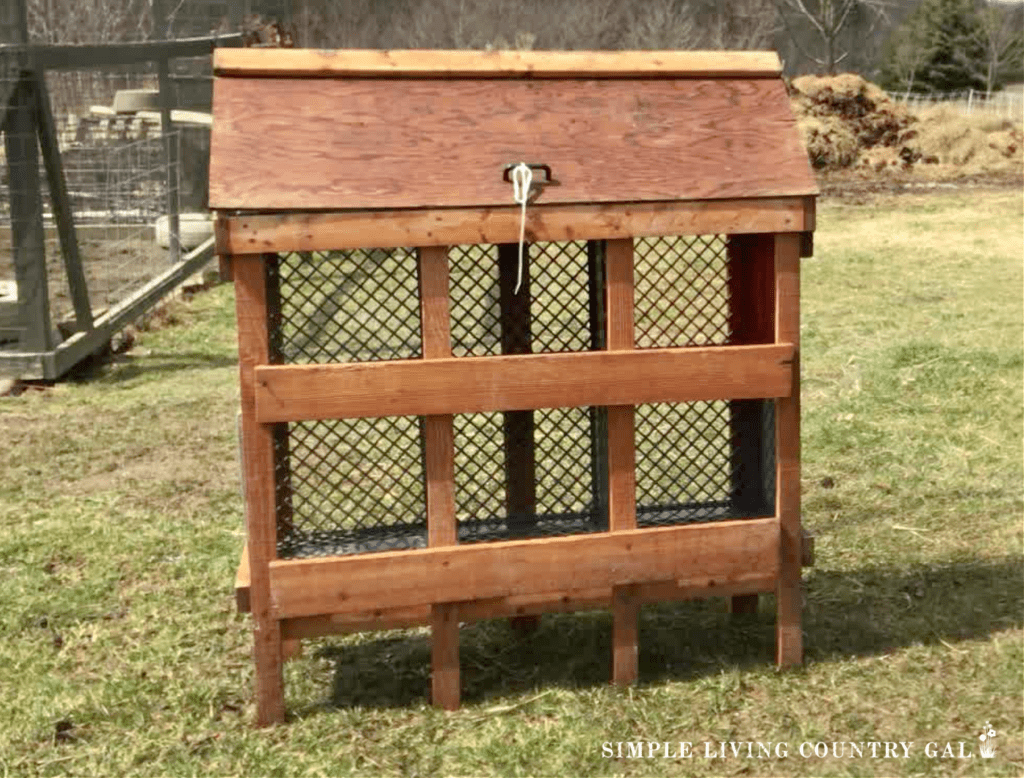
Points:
x=385, y=130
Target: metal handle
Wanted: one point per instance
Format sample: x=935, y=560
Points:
x=534, y=166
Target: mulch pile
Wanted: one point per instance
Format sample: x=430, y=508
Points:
x=848, y=123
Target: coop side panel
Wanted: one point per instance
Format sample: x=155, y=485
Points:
x=391, y=143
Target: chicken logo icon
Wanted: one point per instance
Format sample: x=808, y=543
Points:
x=988, y=741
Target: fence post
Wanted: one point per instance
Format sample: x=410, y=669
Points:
x=28, y=240
x=970, y=100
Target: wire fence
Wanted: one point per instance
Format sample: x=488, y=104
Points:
x=116, y=175
x=1006, y=104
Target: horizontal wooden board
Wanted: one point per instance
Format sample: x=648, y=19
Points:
x=333, y=144
x=406, y=63
x=285, y=232
x=521, y=382
x=695, y=555
x=519, y=605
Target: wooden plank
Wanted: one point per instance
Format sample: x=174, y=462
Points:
x=789, y=635
x=619, y=337
x=26, y=214
x=258, y=485
x=243, y=582
x=496, y=64
x=388, y=144
x=439, y=447
x=695, y=555
x=520, y=382
x=751, y=320
x=439, y=467
x=62, y=210
x=518, y=606
x=286, y=232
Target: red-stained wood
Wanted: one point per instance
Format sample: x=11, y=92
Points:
x=286, y=232
x=789, y=635
x=286, y=143
x=439, y=467
x=692, y=556
x=258, y=486
x=407, y=63
x=751, y=320
x=521, y=382
x=619, y=336
x=519, y=606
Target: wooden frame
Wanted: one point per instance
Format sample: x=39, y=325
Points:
x=626, y=565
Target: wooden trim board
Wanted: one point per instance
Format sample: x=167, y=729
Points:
x=521, y=382
x=695, y=555
x=425, y=63
x=519, y=605
x=286, y=232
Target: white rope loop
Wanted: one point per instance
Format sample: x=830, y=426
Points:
x=522, y=178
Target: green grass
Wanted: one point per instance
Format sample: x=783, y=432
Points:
x=120, y=527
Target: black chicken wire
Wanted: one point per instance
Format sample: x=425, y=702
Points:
x=358, y=485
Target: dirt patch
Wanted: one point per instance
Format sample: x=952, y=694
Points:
x=853, y=128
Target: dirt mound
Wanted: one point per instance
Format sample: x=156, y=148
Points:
x=848, y=123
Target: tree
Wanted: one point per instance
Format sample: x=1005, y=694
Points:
x=818, y=27
x=944, y=40
x=1001, y=39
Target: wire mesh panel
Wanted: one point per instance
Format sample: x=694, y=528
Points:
x=700, y=461
x=350, y=485
x=346, y=306
x=115, y=169
x=525, y=473
x=681, y=294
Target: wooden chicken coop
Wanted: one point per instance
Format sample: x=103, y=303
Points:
x=518, y=333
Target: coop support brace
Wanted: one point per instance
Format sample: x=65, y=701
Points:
x=63, y=214
x=789, y=637
x=27, y=237
x=751, y=321
x=258, y=464
x=621, y=454
x=439, y=466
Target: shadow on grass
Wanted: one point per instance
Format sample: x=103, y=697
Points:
x=848, y=613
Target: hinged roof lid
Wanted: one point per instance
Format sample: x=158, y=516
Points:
x=309, y=130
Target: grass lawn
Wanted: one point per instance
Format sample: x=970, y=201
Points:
x=120, y=528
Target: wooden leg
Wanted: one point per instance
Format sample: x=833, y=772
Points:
x=789, y=635
x=444, y=637
x=269, y=675
x=743, y=605
x=625, y=623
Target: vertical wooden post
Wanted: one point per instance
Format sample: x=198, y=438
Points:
x=62, y=212
x=27, y=236
x=258, y=467
x=439, y=464
x=621, y=454
x=788, y=630
x=751, y=320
